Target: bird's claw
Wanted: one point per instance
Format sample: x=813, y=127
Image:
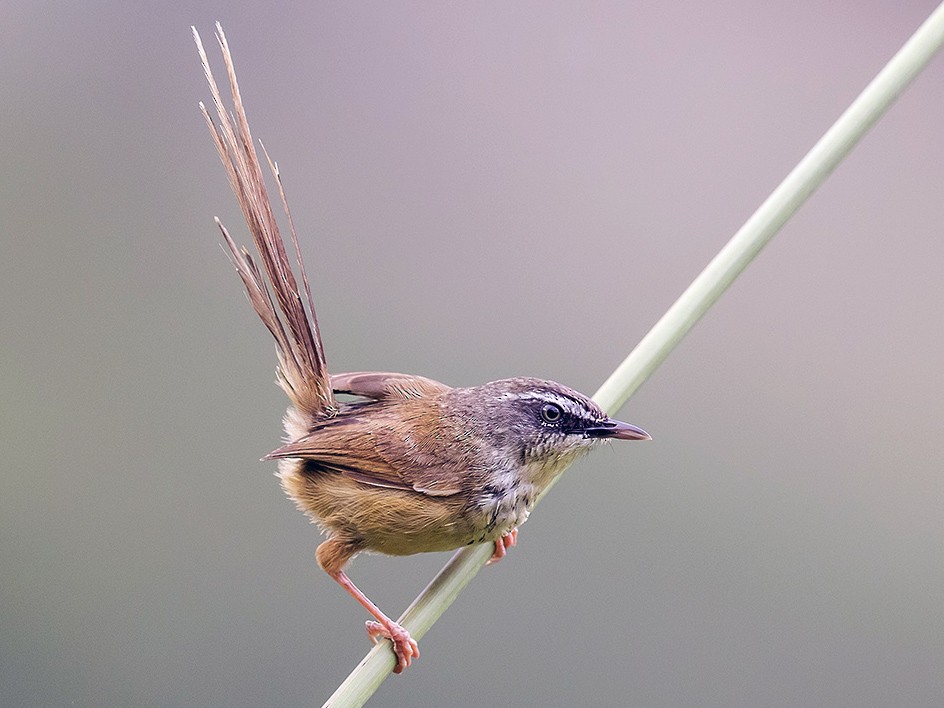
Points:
x=509, y=540
x=404, y=646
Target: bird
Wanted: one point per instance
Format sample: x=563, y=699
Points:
x=387, y=462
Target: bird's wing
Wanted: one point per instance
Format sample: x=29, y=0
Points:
x=385, y=385
x=434, y=459
x=348, y=445
x=407, y=445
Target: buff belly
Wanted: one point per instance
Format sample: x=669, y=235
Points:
x=391, y=521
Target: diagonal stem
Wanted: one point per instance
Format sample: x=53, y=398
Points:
x=704, y=291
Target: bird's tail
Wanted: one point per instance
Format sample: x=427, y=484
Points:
x=275, y=296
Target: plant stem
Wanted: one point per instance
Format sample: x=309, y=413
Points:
x=704, y=291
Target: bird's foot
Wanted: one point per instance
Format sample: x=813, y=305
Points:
x=509, y=540
x=404, y=646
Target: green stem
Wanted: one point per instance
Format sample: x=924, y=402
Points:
x=704, y=291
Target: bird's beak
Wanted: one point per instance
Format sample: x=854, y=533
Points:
x=617, y=429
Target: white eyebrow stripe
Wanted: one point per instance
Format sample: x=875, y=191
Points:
x=564, y=402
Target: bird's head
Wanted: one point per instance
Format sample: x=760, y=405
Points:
x=541, y=422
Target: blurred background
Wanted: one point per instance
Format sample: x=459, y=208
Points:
x=482, y=190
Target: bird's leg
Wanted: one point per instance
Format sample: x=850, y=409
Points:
x=509, y=540
x=332, y=555
x=404, y=646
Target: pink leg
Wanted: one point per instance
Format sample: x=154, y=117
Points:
x=404, y=646
x=509, y=540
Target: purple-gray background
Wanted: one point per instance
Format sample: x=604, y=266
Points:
x=482, y=190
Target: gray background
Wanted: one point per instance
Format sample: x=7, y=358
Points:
x=483, y=190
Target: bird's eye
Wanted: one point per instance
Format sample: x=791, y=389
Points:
x=551, y=413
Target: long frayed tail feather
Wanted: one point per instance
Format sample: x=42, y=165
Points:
x=276, y=298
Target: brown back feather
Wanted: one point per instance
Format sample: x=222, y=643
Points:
x=400, y=438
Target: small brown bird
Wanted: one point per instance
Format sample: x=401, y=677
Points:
x=410, y=465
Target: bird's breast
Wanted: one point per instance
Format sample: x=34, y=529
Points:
x=504, y=503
